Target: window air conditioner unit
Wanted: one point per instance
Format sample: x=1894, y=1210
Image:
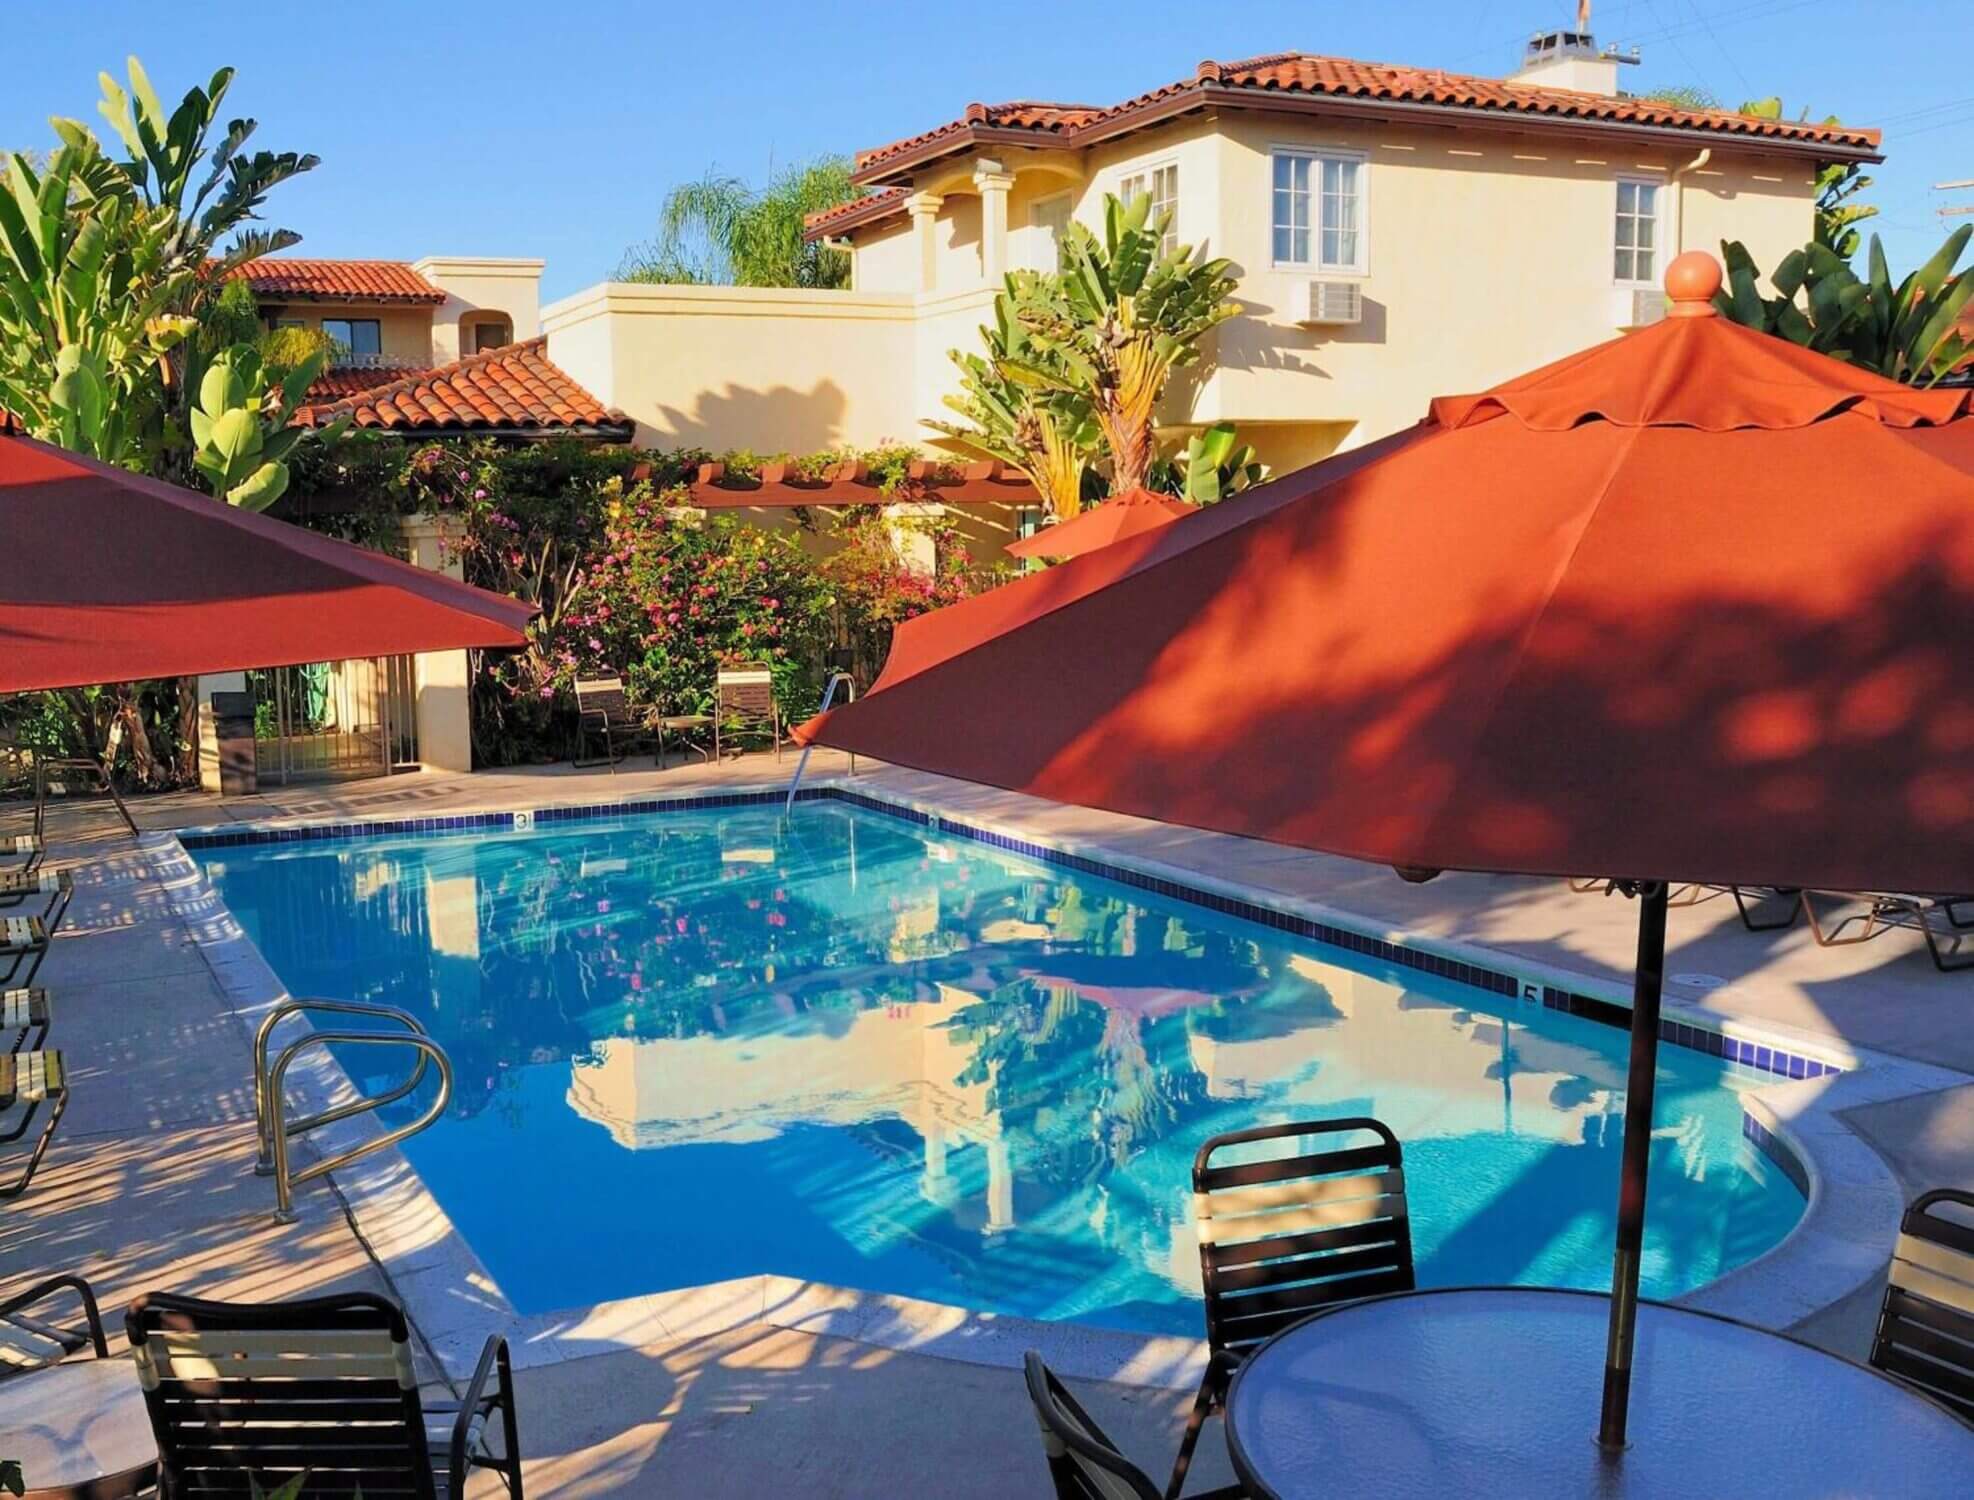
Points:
x=1331, y=302
x=1648, y=305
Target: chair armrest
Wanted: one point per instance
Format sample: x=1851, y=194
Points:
x=495, y=1370
x=42, y=1290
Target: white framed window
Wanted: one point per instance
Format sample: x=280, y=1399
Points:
x=1319, y=211
x=1635, y=235
x=1161, y=184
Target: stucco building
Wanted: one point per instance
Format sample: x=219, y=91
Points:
x=1399, y=232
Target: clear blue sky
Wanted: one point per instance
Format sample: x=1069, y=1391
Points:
x=554, y=127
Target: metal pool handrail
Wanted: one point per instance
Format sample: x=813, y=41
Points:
x=264, y=1142
x=829, y=695
x=284, y=1180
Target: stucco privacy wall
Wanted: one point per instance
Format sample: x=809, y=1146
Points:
x=742, y=367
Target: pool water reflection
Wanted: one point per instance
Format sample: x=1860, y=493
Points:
x=701, y=1045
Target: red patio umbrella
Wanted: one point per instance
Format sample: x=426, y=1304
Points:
x=107, y=576
x=1690, y=605
x=1132, y=513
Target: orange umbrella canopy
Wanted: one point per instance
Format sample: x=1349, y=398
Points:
x=1132, y=513
x=106, y=576
x=1692, y=604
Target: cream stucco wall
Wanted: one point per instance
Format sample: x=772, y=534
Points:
x=479, y=289
x=1488, y=253
x=403, y=333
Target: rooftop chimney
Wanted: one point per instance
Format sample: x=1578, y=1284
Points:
x=1571, y=60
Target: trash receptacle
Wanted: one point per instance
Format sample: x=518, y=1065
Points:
x=233, y=730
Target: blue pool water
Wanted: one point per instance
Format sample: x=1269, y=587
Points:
x=699, y=1045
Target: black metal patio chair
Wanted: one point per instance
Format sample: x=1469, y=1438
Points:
x=322, y=1387
x=1283, y=1234
x=30, y=1340
x=1083, y=1462
x=1925, y=1331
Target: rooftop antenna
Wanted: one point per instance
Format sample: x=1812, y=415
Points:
x=1954, y=210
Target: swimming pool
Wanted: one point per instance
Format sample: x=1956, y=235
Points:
x=840, y=1046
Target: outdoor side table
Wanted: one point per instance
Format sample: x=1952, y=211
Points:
x=678, y=724
x=1495, y=1391
x=80, y=1431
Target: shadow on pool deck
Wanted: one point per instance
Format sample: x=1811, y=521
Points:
x=150, y=1182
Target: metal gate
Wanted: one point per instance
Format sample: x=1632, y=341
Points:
x=335, y=720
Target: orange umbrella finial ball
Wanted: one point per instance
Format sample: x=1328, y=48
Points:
x=1691, y=281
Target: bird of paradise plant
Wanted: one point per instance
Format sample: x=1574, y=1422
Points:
x=1046, y=435
x=1114, y=323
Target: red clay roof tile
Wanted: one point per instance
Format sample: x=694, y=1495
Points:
x=337, y=281
x=1304, y=74
x=510, y=389
x=335, y=385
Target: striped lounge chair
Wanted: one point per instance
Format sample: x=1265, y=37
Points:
x=1926, y=1324
x=28, y=848
x=322, y=1387
x=55, y=888
x=24, y=1012
x=29, y=1080
x=23, y=945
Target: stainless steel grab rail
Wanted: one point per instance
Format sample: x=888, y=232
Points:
x=264, y=1153
x=828, y=697
x=284, y=1180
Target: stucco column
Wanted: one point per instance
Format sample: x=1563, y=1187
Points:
x=913, y=546
x=218, y=682
x=440, y=678
x=924, y=209
x=994, y=182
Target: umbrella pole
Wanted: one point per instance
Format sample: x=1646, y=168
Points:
x=1636, y=1156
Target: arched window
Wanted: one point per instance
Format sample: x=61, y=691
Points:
x=487, y=333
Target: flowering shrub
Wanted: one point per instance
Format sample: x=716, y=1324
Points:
x=591, y=536
x=668, y=601
x=876, y=589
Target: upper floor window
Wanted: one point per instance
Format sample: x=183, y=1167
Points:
x=1637, y=233
x=357, y=336
x=1319, y=210
x=1161, y=185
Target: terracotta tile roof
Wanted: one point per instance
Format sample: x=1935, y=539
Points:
x=337, y=281
x=1301, y=74
x=510, y=390
x=876, y=205
x=334, y=385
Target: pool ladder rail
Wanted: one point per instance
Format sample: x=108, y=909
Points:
x=274, y=1129
x=828, y=697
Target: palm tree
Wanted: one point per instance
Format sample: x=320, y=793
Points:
x=719, y=231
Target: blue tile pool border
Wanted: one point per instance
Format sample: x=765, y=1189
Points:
x=1763, y=1057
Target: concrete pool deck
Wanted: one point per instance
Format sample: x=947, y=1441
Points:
x=149, y=1184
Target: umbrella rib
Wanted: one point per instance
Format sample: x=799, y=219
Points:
x=1485, y=718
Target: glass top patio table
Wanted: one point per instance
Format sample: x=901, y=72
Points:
x=1495, y=1391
